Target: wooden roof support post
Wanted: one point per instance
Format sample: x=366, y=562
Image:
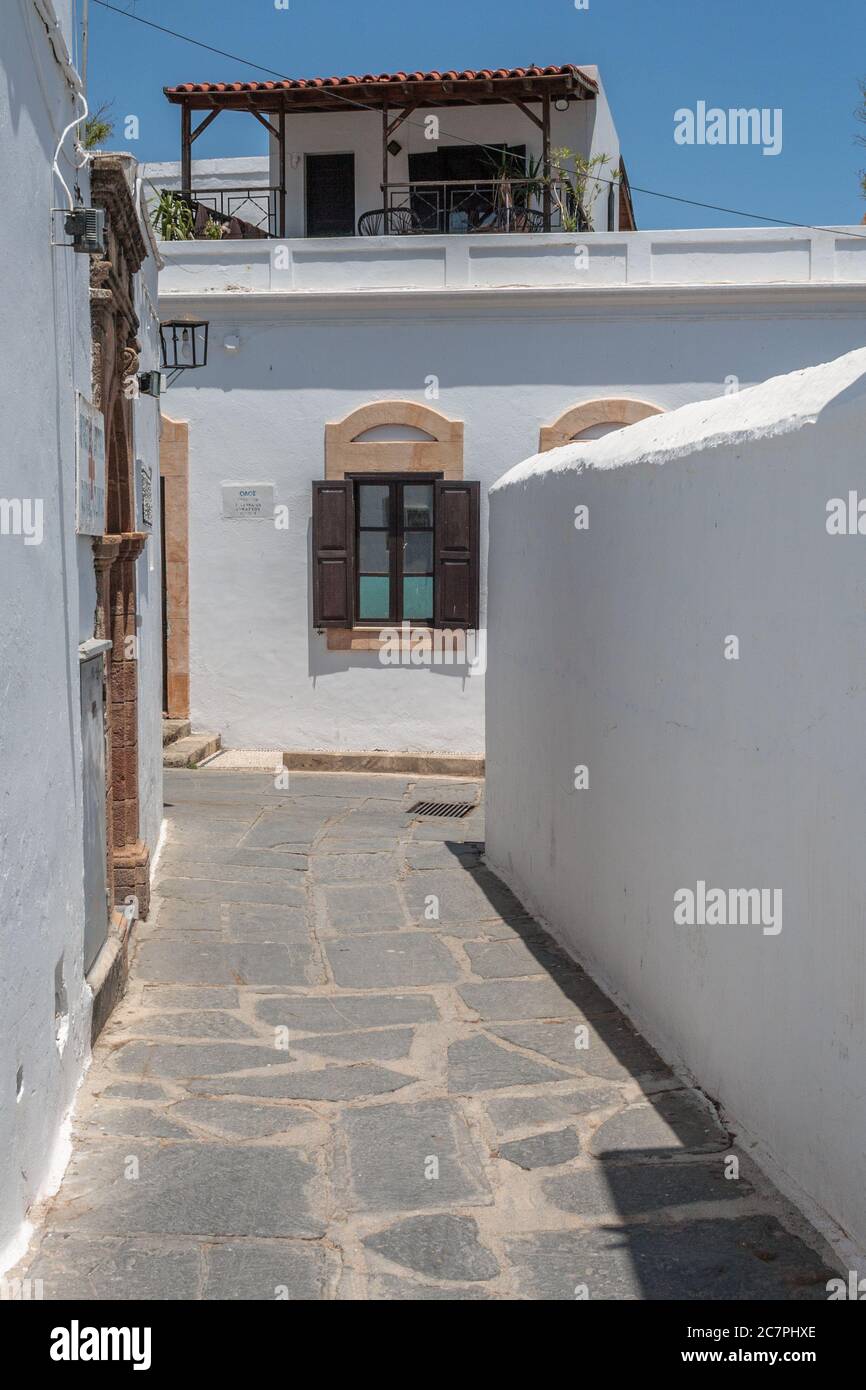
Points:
x=186, y=149
x=545, y=136
x=386, y=168
x=281, y=191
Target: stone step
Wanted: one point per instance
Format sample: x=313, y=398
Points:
x=173, y=729
x=191, y=750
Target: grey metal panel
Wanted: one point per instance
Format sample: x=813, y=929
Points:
x=93, y=800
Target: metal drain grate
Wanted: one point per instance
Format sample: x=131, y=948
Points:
x=454, y=810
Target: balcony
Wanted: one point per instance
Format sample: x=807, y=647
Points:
x=446, y=208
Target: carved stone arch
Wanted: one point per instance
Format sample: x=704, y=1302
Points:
x=439, y=450
x=617, y=411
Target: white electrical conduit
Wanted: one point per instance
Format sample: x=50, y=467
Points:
x=77, y=121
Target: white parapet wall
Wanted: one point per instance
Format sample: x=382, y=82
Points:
x=672, y=263
x=676, y=697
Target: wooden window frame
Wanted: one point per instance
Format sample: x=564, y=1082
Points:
x=396, y=530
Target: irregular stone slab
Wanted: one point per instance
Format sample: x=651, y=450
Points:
x=208, y=1023
x=519, y=1112
x=133, y=1090
x=675, y=1122
x=177, y=915
x=217, y=890
x=384, y=786
x=279, y=924
x=495, y=929
x=459, y=899
x=167, y=997
x=629, y=1057
x=331, y=1083
x=542, y=1150
x=177, y=863
x=286, y=829
x=363, y=907
x=458, y=829
x=238, y=1118
x=76, y=1268
x=569, y=997
x=477, y=1064
x=192, y=1189
x=383, y=1045
x=558, y=1041
x=210, y=962
x=352, y=867
x=619, y=1190
x=197, y=835
x=443, y=854
x=346, y=1012
x=266, y=1272
x=750, y=1258
x=399, y=958
x=502, y=960
x=134, y=1122
x=388, y=1289
x=284, y=864
x=419, y=1140
x=338, y=845
x=442, y=1247
x=194, y=1059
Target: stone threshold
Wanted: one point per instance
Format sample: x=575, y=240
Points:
x=418, y=764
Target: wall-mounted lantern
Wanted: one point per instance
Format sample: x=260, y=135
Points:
x=184, y=346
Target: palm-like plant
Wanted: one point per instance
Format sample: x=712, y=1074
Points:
x=172, y=216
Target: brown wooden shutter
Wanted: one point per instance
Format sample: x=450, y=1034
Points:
x=457, y=554
x=333, y=554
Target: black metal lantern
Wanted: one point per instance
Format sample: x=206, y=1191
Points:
x=184, y=346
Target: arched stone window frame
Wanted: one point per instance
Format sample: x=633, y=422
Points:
x=607, y=410
x=442, y=453
x=347, y=453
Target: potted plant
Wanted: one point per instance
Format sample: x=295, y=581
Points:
x=173, y=216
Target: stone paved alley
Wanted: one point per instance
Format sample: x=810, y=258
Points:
x=431, y=1131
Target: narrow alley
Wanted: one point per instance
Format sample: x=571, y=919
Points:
x=350, y=1066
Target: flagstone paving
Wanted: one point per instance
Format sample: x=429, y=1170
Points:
x=349, y=1065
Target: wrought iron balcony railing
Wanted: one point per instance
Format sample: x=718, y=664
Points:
x=242, y=213
x=479, y=205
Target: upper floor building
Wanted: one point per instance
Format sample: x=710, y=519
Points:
x=498, y=150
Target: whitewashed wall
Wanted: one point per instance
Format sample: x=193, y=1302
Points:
x=47, y=609
x=508, y=362
x=607, y=653
x=45, y=317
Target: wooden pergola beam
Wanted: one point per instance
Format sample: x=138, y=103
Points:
x=263, y=121
x=203, y=125
x=492, y=91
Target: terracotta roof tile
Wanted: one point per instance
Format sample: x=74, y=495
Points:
x=383, y=78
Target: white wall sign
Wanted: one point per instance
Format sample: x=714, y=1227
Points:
x=248, y=501
x=146, y=494
x=90, y=470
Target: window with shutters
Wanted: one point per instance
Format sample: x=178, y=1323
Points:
x=390, y=549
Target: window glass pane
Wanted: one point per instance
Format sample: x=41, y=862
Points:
x=418, y=554
x=418, y=504
x=418, y=598
x=374, y=507
x=375, y=597
x=373, y=553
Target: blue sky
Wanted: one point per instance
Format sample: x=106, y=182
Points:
x=656, y=56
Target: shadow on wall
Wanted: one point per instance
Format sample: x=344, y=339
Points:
x=323, y=661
